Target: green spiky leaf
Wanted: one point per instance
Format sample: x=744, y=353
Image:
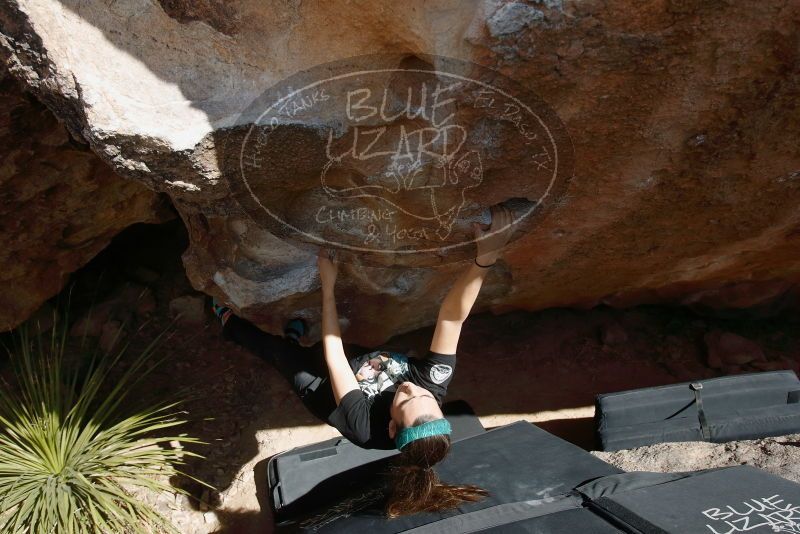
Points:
x=70, y=453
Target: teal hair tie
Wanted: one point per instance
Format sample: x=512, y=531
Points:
x=436, y=427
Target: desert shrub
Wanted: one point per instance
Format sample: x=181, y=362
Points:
x=73, y=450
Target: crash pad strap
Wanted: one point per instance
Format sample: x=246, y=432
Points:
x=701, y=415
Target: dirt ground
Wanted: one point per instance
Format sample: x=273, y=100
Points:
x=778, y=455
x=545, y=367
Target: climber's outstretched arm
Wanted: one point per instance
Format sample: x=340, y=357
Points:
x=342, y=378
x=459, y=300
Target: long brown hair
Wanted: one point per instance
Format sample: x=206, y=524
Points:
x=415, y=487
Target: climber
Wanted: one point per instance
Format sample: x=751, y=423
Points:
x=383, y=399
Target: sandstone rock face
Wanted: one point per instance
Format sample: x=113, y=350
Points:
x=61, y=204
x=670, y=130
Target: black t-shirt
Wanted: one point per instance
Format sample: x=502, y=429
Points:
x=363, y=414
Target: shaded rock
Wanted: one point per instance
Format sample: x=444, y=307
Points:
x=728, y=349
x=90, y=324
x=145, y=303
x=120, y=306
x=110, y=335
x=223, y=16
x=686, y=370
x=769, y=365
x=790, y=363
x=612, y=334
x=59, y=204
x=732, y=369
x=680, y=200
x=189, y=309
x=143, y=275
x=713, y=358
x=674, y=348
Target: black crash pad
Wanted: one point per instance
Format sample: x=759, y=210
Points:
x=746, y=406
x=522, y=467
x=716, y=501
x=573, y=521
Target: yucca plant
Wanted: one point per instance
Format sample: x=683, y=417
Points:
x=70, y=451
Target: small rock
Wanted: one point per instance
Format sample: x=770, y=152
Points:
x=110, y=335
x=190, y=309
x=511, y=18
x=613, y=334
x=726, y=348
x=210, y=518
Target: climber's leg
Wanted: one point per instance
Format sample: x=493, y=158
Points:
x=303, y=367
x=295, y=362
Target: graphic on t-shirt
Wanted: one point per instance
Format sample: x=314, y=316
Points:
x=381, y=371
x=440, y=372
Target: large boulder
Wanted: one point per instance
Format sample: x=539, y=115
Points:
x=61, y=204
x=676, y=121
